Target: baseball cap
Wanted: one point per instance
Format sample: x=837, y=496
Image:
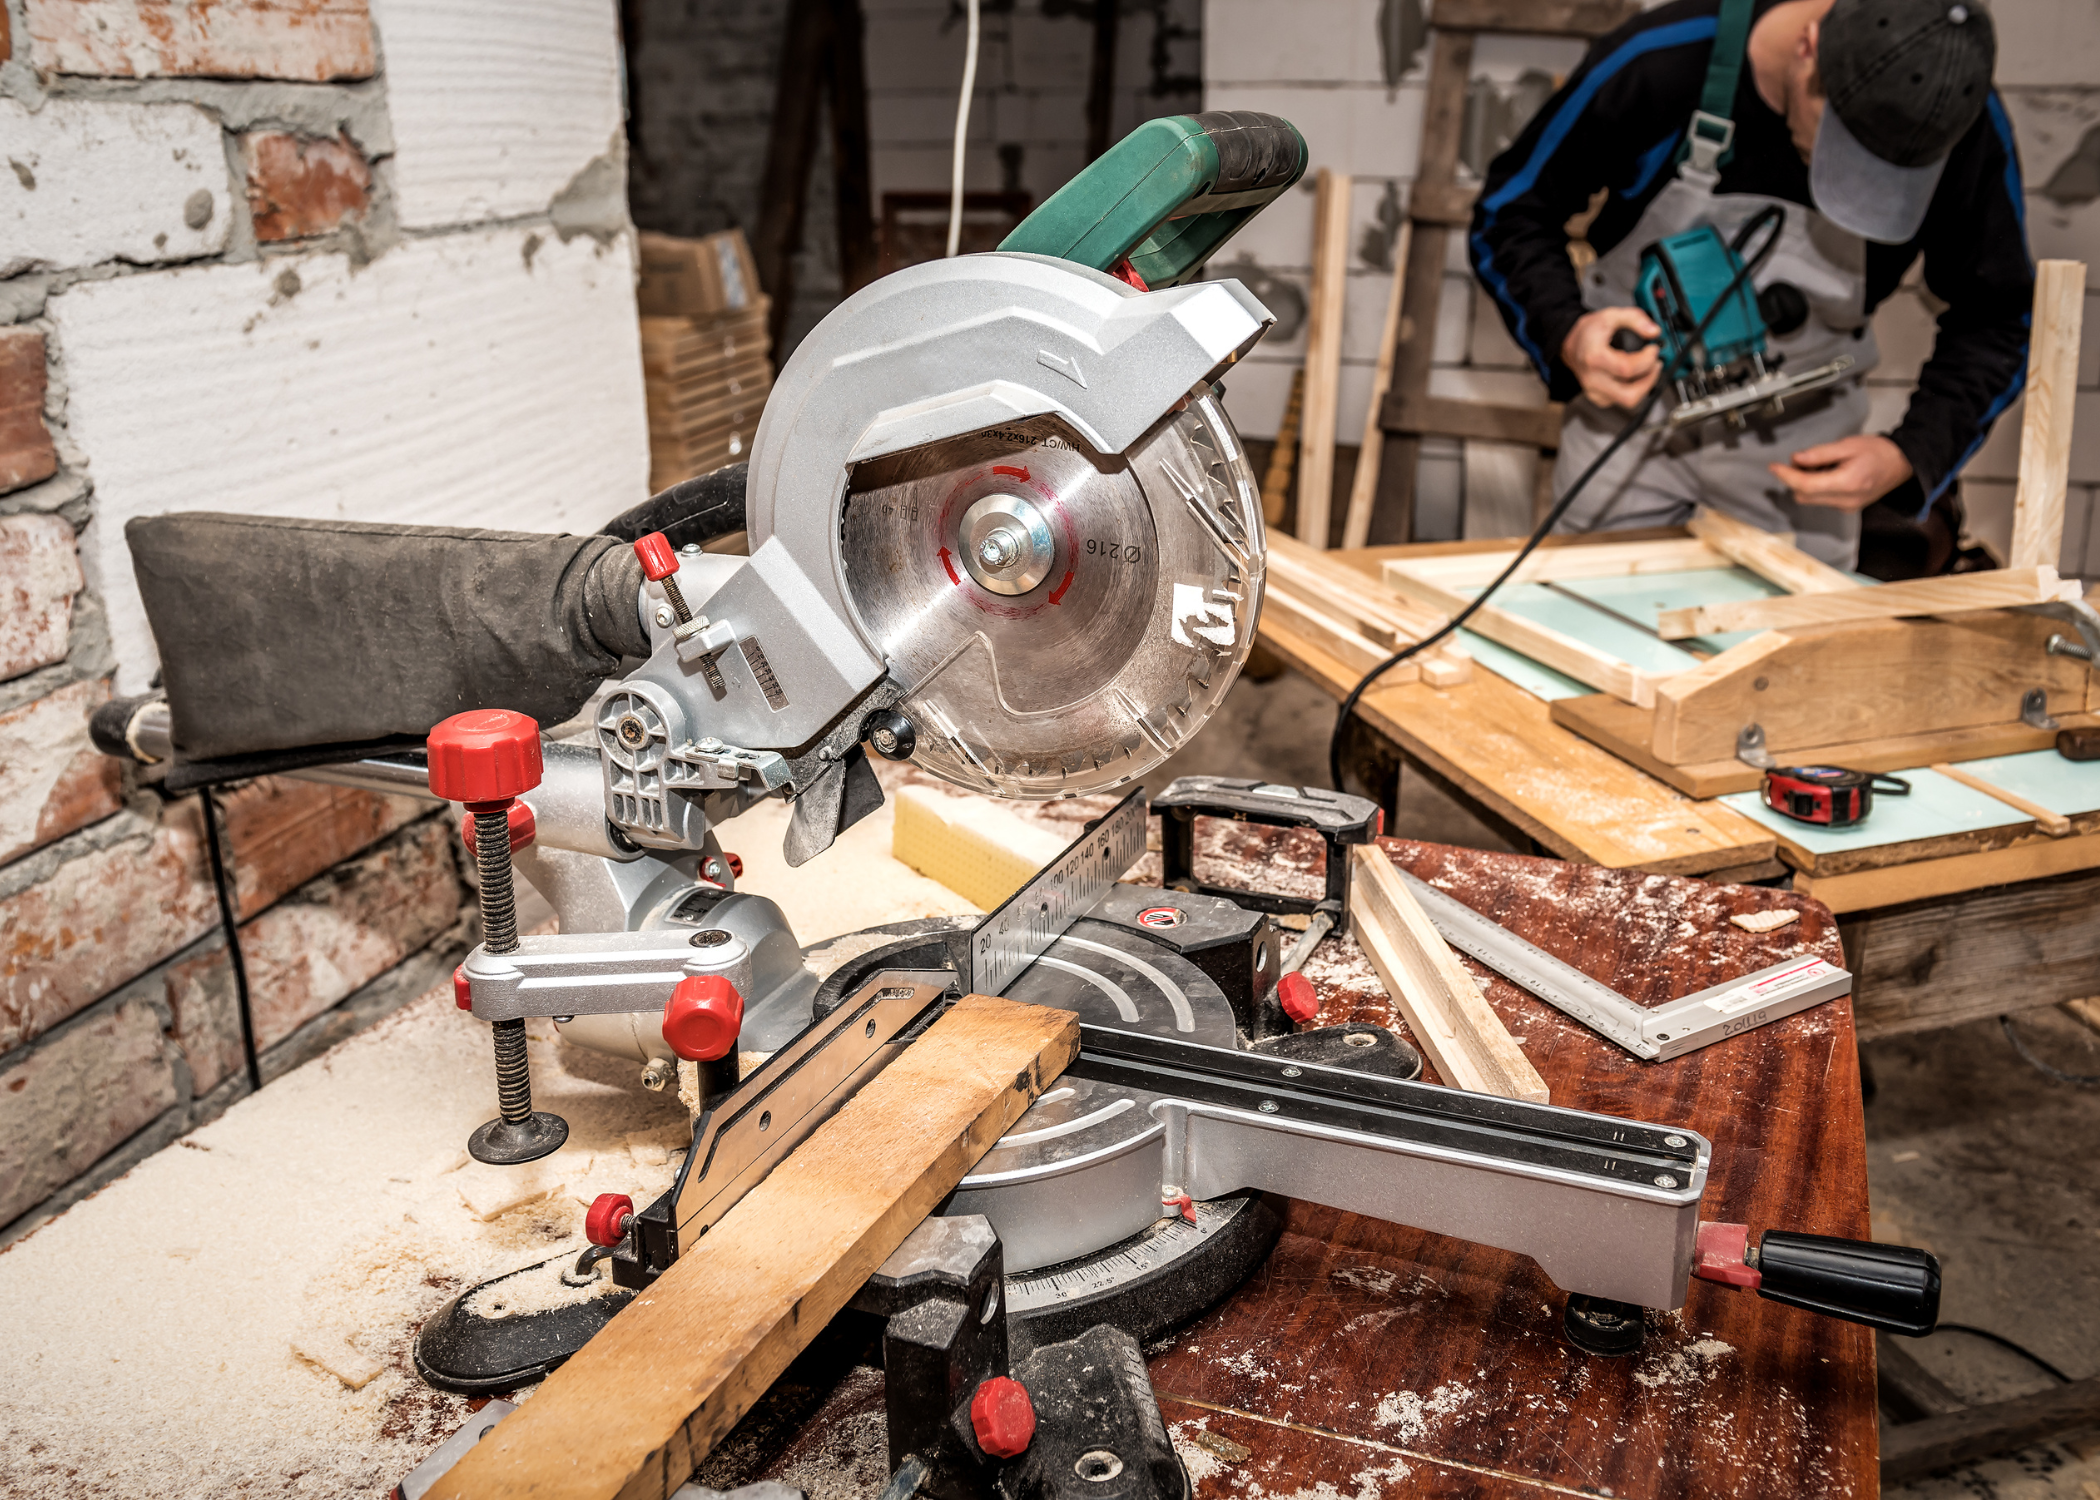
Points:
x=1903, y=80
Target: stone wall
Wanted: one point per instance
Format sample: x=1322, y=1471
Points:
x=356, y=258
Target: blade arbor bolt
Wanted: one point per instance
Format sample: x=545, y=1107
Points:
x=998, y=549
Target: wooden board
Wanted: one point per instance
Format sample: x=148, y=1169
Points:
x=1868, y=680
x=1323, y=356
x=1363, y=487
x=1600, y=560
x=652, y=1394
x=1337, y=638
x=1625, y=730
x=1283, y=458
x=2055, y=824
x=1999, y=588
x=1497, y=744
x=2045, y=424
x=1769, y=554
x=1459, y=1030
x=1921, y=879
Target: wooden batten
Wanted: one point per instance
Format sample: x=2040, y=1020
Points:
x=1769, y=554
x=2000, y=588
x=2045, y=424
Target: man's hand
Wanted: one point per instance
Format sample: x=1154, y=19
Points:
x=1609, y=377
x=1849, y=474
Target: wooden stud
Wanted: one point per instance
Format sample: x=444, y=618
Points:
x=2000, y=588
x=2045, y=426
x=2055, y=824
x=1769, y=554
x=1333, y=636
x=1441, y=672
x=1363, y=490
x=639, y=1405
x=1276, y=480
x=1323, y=356
x=1560, y=564
x=1466, y=1041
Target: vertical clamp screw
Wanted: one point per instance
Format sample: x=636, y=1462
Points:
x=660, y=565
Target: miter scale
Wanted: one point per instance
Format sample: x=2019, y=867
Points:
x=999, y=524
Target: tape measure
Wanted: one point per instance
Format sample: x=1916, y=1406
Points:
x=1829, y=795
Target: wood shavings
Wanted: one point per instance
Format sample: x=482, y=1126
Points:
x=1764, y=921
x=489, y=1191
x=353, y=1367
x=653, y=1148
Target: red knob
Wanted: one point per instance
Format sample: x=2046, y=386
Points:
x=523, y=828
x=1294, y=992
x=462, y=989
x=1003, y=1417
x=605, y=1221
x=702, y=1017
x=484, y=758
x=656, y=557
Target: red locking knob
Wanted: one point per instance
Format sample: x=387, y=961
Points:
x=1003, y=1417
x=1294, y=992
x=523, y=828
x=605, y=1221
x=484, y=758
x=657, y=558
x=462, y=989
x=702, y=1017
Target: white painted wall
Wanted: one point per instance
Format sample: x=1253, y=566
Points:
x=454, y=380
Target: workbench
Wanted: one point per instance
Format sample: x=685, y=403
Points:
x=1931, y=926
x=1374, y=1359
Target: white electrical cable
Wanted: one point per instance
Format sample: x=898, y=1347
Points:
x=962, y=133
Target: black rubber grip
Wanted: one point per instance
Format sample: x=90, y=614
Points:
x=1626, y=341
x=1893, y=1287
x=1255, y=150
x=109, y=727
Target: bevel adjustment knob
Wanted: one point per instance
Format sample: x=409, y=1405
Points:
x=484, y=758
x=656, y=555
x=1003, y=1417
x=702, y=1017
x=605, y=1221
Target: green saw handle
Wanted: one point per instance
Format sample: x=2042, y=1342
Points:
x=1167, y=195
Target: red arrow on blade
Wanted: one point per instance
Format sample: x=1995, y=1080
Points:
x=953, y=576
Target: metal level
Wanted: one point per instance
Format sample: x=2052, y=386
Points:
x=1655, y=1033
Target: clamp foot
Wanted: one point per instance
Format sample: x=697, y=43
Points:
x=506, y=1143
x=1598, y=1325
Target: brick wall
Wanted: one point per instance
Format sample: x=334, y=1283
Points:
x=360, y=258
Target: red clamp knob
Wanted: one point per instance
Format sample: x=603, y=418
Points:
x=484, y=758
x=462, y=989
x=702, y=1017
x=1003, y=1417
x=655, y=555
x=1723, y=1252
x=523, y=828
x=605, y=1221
x=1294, y=992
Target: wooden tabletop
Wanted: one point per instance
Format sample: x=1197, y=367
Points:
x=1499, y=745
x=1384, y=1361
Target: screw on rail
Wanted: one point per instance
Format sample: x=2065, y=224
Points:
x=487, y=759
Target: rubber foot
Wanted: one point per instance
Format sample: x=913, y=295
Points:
x=502, y=1144
x=1597, y=1325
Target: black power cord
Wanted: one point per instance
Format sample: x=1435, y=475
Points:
x=224, y=888
x=2086, y=1080
x=1776, y=217
x=2005, y=1343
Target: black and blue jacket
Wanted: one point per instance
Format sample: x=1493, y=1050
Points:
x=1617, y=124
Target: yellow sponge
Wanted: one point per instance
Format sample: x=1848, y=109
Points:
x=971, y=845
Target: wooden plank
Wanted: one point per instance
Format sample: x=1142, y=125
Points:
x=1769, y=554
x=1449, y=204
x=1946, y=960
x=1344, y=589
x=1535, y=17
x=1437, y=416
x=1863, y=681
x=1323, y=356
x=1363, y=490
x=1332, y=636
x=1625, y=730
x=651, y=1395
x=1283, y=457
x=1605, y=560
x=2085, y=1012
x=1896, y=884
x=1911, y=1450
x=1464, y=1038
x=2045, y=425
x=1542, y=643
x=2000, y=588
x=1907, y=1389
x=2055, y=824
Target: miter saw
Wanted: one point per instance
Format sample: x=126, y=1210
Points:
x=998, y=524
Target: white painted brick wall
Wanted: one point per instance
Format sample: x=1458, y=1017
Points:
x=457, y=379
x=496, y=104
x=95, y=180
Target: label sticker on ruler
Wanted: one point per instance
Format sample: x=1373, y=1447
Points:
x=1773, y=986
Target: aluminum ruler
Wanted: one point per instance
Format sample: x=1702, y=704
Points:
x=1656, y=1033
x=1035, y=916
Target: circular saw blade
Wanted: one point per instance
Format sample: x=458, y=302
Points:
x=1144, y=578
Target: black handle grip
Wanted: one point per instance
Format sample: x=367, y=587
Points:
x=1626, y=341
x=1893, y=1287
